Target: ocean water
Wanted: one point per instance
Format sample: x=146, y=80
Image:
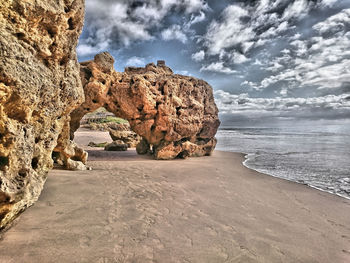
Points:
x=312, y=153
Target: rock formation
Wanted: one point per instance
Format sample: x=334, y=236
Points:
x=123, y=133
x=39, y=87
x=116, y=146
x=175, y=115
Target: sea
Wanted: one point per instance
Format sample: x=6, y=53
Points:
x=315, y=153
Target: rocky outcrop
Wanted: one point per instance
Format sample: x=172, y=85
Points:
x=39, y=87
x=116, y=146
x=123, y=133
x=175, y=115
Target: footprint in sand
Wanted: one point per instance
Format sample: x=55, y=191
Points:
x=211, y=231
x=84, y=241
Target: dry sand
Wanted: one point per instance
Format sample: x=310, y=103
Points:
x=211, y=209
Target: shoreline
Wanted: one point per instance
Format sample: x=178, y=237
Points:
x=213, y=209
x=208, y=209
x=246, y=156
x=303, y=154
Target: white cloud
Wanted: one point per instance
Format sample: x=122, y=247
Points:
x=86, y=49
x=199, y=56
x=322, y=61
x=250, y=85
x=328, y=3
x=229, y=32
x=298, y=8
x=258, y=62
x=334, y=23
x=105, y=22
x=197, y=18
x=193, y=6
x=238, y=58
x=242, y=103
x=174, y=33
x=244, y=28
x=218, y=67
x=274, y=66
x=183, y=72
x=246, y=46
x=119, y=23
x=135, y=61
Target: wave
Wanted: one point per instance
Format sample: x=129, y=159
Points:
x=250, y=157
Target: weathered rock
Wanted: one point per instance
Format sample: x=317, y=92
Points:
x=116, y=146
x=39, y=86
x=71, y=157
x=119, y=126
x=143, y=147
x=174, y=114
x=122, y=132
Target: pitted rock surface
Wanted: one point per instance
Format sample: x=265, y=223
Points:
x=39, y=87
x=175, y=115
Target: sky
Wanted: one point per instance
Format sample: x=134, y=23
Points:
x=267, y=60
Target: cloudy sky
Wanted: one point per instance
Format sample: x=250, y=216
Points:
x=266, y=59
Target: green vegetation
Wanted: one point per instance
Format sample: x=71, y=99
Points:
x=92, y=144
x=101, y=115
x=111, y=119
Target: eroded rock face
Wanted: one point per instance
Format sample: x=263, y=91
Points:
x=39, y=87
x=174, y=114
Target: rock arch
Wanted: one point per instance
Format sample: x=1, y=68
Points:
x=175, y=114
x=41, y=84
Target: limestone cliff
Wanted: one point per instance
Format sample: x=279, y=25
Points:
x=39, y=87
x=174, y=114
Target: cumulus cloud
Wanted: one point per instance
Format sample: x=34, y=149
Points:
x=328, y=3
x=174, y=33
x=335, y=23
x=218, y=67
x=238, y=58
x=199, y=56
x=244, y=27
x=117, y=24
x=279, y=106
x=229, y=31
x=197, y=18
x=322, y=61
x=294, y=49
x=298, y=8
x=135, y=61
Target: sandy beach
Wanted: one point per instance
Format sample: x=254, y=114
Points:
x=131, y=208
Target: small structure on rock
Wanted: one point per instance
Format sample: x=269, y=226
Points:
x=160, y=63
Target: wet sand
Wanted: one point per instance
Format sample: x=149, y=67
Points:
x=131, y=208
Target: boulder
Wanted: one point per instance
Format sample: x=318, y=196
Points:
x=143, y=147
x=39, y=86
x=124, y=133
x=116, y=146
x=175, y=115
